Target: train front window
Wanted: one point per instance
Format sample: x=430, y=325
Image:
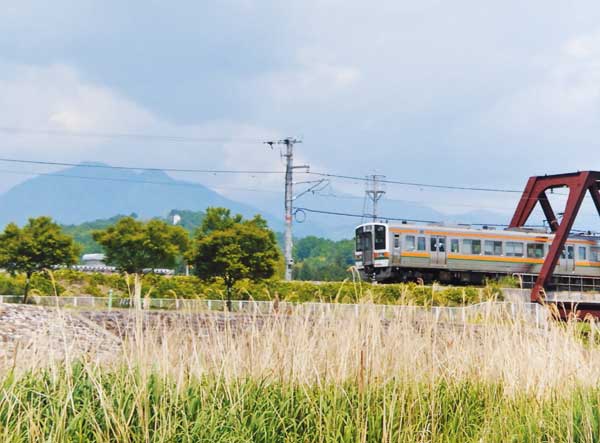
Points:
x=359, y=239
x=380, y=237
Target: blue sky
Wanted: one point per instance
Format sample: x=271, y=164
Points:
x=462, y=92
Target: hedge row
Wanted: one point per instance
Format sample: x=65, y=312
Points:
x=73, y=283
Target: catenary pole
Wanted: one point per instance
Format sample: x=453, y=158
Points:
x=288, y=155
x=287, y=237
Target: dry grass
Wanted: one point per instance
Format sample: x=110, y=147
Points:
x=384, y=369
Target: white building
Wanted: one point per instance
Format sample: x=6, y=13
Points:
x=93, y=260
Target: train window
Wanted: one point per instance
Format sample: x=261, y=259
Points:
x=472, y=247
x=582, y=253
x=359, y=239
x=594, y=253
x=570, y=252
x=379, y=237
x=396, y=241
x=491, y=247
x=454, y=245
x=409, y=243
x=421, y=244
x=535, y=250
x=441, y=244
x=513, y=249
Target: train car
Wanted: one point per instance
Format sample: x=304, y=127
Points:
x=393, y=252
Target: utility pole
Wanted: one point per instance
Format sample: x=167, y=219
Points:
x=374, y=191
x=289, y=200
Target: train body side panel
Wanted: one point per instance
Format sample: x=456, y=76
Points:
x=408, y=259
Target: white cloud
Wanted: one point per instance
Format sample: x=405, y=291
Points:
x=311, y=80
x=561, y=105
x=56, y=98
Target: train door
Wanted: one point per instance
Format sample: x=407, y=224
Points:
x=396, y=251
x=437, y=250
x=367, y=248
x=566, y=263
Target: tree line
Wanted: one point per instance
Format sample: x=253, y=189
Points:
x=215, y=244
x=224, y=246
x=315, y=258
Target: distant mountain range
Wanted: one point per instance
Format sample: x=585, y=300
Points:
x=84, y=193
x=92, y=191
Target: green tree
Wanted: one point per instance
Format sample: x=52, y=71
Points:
x=321, y=259
x=134, y=246
x=37, y=247
x=219, y=219
x=82, y=233
x=232, y=248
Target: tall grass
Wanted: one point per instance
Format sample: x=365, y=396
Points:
x=322, y=377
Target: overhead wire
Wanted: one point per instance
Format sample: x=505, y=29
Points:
x=137, y=168
x=124, y=180
x=347, y=214
x=320, y=174
x=415, y=184
x=231, y=171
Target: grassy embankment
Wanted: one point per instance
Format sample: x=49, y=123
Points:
x=70, y=283
x=321, y=378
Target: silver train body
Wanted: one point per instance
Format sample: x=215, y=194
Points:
x=388, y=252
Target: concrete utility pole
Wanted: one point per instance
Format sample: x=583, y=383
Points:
x=289, y=200
x=374, y=191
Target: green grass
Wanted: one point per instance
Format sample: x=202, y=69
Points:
x=125, y=405
x=324, y=376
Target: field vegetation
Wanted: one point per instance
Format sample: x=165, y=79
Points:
x=73, y=283
x=324, y=377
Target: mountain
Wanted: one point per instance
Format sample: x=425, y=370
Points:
x=91, y=191
x=83, y=193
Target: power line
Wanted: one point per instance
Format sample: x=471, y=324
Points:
x=419, y=185
x=420, y=201
x=137, y=168
x=125, y=180
x=125, y=135
x=347, y=214
x=225, y=171
x=217, y=171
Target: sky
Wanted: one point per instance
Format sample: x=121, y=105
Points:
x=461, y=93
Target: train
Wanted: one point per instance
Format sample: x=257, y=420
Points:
x=462, y=254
